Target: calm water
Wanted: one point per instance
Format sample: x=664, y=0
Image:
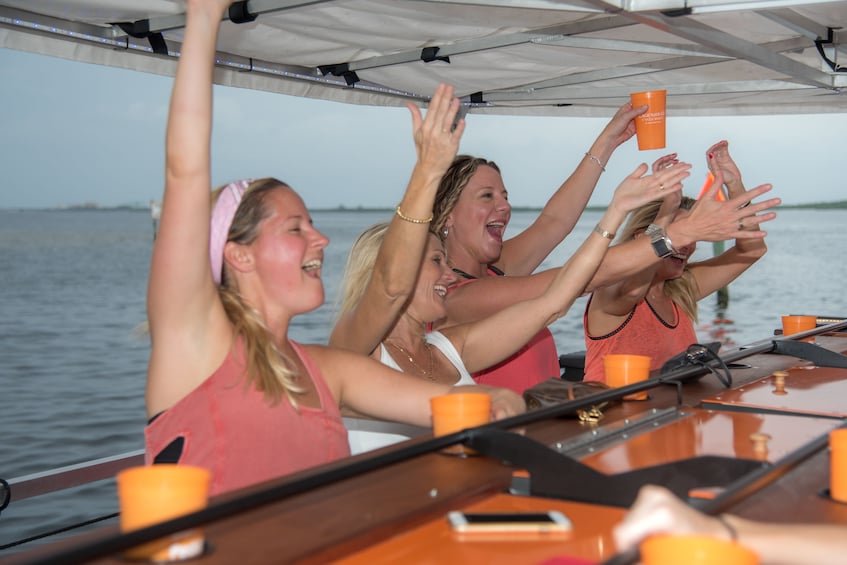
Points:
x=73, y=363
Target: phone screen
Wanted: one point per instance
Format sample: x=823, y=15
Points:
x=540, y=517
x=509, y=522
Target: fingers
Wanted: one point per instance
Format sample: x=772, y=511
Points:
x=639, y=171
x=417, y=118
x=720, y=145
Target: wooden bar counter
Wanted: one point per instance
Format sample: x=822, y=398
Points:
x=396, y=511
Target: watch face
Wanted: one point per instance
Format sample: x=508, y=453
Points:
x=662, y=248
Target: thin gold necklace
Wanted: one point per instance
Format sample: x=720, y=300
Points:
x=426, y=373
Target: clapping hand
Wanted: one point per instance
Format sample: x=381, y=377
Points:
x=637, y=190
x=436, y=140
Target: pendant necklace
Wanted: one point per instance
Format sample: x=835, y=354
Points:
x=424, y=372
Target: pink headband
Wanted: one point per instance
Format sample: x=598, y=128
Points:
x=222, y=215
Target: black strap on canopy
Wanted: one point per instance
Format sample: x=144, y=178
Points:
x=340, y=70
x=140, y=29
x=239, y=14
x=430, y=54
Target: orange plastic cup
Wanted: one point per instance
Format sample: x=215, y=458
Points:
x=149, y=495
x=838, y=464
x=650, y=126
x=694, y=550
x=796, y=324
x=625, y=369
x=455, y=412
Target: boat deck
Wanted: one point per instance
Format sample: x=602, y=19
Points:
x=390, y=505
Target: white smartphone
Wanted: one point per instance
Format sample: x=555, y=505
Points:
x=503, y=522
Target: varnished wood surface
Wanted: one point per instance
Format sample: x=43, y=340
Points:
x=435, y=542
x=345, y=518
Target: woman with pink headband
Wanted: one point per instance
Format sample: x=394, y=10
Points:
x=226, y=388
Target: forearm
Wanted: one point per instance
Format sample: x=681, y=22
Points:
x=190, y=116
x=568, y=202
x=791, y=544
x=397, y=264
x=625, y=260
x=524, y=253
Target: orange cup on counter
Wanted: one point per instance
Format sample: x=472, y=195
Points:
x=650, y=126
x=694, y=550
x=797, y=324
x=149, y=495
x=454, y=412
x=624, y=369
x=838, y=465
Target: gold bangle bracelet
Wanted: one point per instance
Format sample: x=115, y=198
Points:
x=603, y=233
x=402, y=216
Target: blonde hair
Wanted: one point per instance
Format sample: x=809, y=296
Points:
x=451, y=186
x=682, y=290
x=359, y=267
x=268, y=369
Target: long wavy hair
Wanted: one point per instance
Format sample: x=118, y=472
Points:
x=269, y=370
x=451, y=186
x=682, y=290
x=359, y=268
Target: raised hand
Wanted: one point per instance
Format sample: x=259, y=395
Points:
x=719, y=159
x=637, y=190
x=436, y=142
x=622, y=125
x=713, y=220
x=665, y=162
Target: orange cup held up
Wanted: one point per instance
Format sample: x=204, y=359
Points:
x=694, y=550
x=650, y=126
x=838, y=465
x=625, y=369
x=149, y=495
x=797, y=324
x=454, y=412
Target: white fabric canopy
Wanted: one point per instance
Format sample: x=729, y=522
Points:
x=545, y=57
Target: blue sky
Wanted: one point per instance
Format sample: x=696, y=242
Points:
x=75, y=133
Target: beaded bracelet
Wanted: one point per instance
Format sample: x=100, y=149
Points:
x=596, y=160
x=402, y=216
x=604, y=233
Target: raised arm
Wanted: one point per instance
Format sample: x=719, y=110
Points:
x=618, y=299
x=709, y=220
x=185, y=314
x=492, y=339
x=523, y=253
x=717, y=272
x=395, y=272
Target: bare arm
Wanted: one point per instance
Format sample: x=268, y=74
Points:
x=709, y=220
x=490, y=340
x=717, y=272
x=490, y=295
x=185, y=314
x=610, y=304
x=657, y=510
x=398, y=262
x=523, y=253
x=378, y=391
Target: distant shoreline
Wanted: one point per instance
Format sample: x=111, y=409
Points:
x=836, y=205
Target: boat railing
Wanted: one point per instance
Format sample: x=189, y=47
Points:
x=68, y=476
